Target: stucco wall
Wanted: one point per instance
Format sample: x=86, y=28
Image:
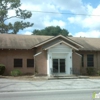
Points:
x=96, y=60
x=41, y=62
x=7, y=58
x=76, y=63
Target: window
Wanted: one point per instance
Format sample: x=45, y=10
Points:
x=17, y=62
x=30, y=62
x=90, y=60
x=82, y=60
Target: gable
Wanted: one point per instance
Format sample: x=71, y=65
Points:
x=60, y=37
x=60, y=48
x=57, y=41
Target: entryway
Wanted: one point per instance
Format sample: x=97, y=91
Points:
x=59, y=60
x=58, y=66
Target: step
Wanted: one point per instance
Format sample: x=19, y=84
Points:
x=68, y=77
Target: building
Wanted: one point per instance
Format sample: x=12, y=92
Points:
x=49, y=55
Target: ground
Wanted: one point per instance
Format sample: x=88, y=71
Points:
x=32, y=77
x=29, y=83
x=40, y=88
x=24, y=77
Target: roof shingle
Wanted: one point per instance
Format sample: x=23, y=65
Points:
x=13, y=41
x=88, y=43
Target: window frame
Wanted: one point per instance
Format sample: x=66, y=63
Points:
x=20, y=64
x=90, y=60
x=82, y=60
x=30, y=65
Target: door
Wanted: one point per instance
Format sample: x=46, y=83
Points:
x=58, y=65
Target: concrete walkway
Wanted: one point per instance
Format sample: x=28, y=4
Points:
x=9, y=85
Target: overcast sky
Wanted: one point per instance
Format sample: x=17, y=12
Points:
x=77, y=25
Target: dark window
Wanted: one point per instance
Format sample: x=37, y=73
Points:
x=82, y=60
x=90, y=60
x=17, y=62
x=30, y=62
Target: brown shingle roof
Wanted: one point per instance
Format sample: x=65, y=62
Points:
x=88, y=43
x=12, y=41
x=60, y=37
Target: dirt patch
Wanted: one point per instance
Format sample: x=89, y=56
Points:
x=25, y=77
x=94, y=77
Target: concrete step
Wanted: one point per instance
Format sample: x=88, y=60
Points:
x=62, y=77
x=68, y=77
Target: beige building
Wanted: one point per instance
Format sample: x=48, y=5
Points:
x=48, y=55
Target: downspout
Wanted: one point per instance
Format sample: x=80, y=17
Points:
x=34, y=60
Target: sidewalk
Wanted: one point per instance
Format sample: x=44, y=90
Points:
x=10, y=85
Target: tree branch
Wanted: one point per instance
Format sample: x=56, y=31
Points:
x=12, y=17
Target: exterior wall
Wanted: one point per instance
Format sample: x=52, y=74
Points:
x=96, y=61
x=7, y=58
x=60, y=51
x=41, y=62
x=76, y=63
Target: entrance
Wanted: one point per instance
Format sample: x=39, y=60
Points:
x=58, y=65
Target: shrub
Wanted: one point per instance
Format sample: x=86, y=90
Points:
x=2, y=69
x=98, y=72
x=16, y=72
x=91, y=71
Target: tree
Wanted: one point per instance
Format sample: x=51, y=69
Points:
x=5, y=7
x=51, y=30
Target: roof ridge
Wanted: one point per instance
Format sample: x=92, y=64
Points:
x=24, y=35
x=85, y=37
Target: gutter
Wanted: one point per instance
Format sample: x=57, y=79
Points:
x=79, y=54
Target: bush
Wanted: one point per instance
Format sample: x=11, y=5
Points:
x=98, y=73
x=16, y=72
x=91, y=71
x=2, y=69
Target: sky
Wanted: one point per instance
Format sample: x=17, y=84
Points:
x=80, y=17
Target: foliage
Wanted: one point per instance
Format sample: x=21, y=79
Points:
x=51, y=31
x=9, y=5
x=98, y=72
x=91, y=71
x=16, y=72
x=2, y=69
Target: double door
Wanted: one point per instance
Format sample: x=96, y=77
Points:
x=58, y=65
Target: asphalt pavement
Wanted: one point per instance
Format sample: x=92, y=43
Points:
x=81, y=94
